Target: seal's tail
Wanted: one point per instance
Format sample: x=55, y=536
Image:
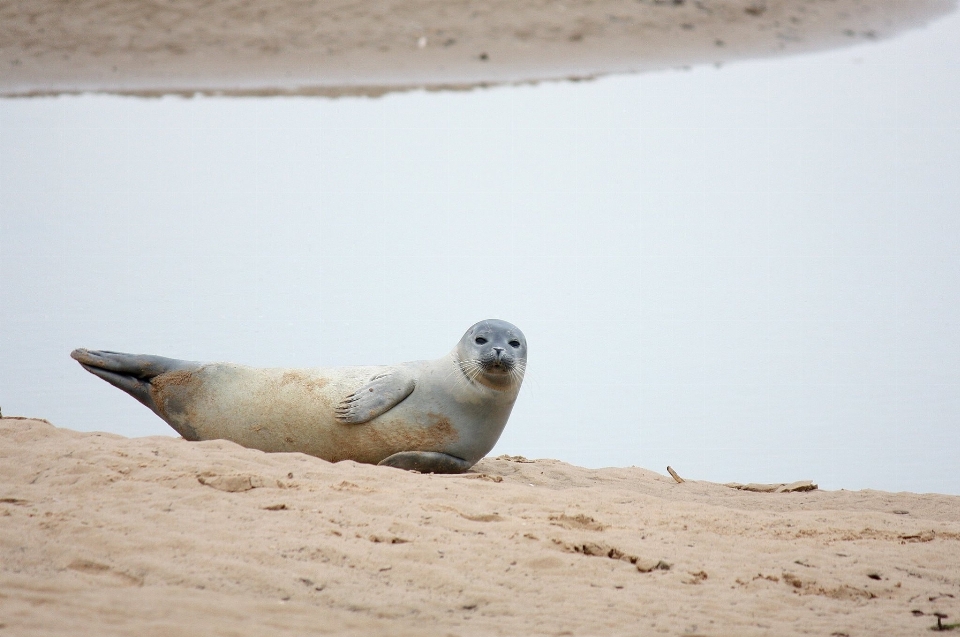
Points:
x=130, y=372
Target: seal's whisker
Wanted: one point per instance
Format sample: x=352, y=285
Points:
x=470, y=369
x=459, y=375
x=475, y=370
x=454, y=372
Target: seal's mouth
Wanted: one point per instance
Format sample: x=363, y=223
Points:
x=497, y=363
x=501, y=370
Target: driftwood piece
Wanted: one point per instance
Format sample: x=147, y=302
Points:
x=783, y=487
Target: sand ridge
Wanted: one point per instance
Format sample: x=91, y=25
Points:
x=106, y=535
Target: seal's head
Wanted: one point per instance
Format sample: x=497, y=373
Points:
x=493, y=353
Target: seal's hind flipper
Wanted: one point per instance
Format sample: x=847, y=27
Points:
x=139, y=366
x=129, y=372
x=139, y=389
x=426, y=462
x=381, y=394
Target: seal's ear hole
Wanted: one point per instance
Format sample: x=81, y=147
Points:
x=479, y=340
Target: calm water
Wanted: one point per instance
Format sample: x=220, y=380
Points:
x=750, y=273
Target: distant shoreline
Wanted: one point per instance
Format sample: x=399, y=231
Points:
x=284, y=47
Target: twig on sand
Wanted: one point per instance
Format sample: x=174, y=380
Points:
x=675, y=476
x=940, y=625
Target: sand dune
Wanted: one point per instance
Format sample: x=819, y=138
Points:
x=343, y=47
x=104, y=535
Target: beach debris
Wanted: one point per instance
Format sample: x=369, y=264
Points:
x=674, y=474
x=940, y=625
x=783, y=487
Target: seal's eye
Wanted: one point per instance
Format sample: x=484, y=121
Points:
x=514, y=343
x=480, y=340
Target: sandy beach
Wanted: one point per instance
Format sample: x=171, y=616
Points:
x=302, y=47
x=106, y=535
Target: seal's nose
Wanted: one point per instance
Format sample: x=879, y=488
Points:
x=499, y=351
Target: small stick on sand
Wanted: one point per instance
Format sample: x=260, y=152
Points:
x=674, y=474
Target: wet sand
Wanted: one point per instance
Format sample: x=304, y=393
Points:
x=341, y=47
x=105, y=535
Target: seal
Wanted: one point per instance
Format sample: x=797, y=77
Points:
x=436, y=416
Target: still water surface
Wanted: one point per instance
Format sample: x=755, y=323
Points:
x=750, y=273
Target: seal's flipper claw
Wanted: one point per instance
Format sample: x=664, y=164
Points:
x=426, y=462
x=381, y=394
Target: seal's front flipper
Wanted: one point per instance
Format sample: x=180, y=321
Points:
x=426, y=462
x=381, y=394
